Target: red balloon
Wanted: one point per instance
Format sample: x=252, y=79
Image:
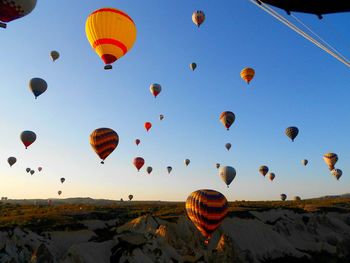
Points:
x=148, y=125
x=137, y=141
x=138, y=162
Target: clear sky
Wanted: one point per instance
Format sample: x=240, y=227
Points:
x=296, y=84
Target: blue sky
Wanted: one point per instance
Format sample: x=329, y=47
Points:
x=296, y=84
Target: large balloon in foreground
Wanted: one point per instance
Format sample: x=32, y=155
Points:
x=263, y=170
x=111, y=33
x=38, y=86
x=104, y=141
x=198, y=18
x=155, y=89
x=54, y=55
x=187, y=162
x=283, y=197
x=337, y=173
x=272, y=176
x=138, y=162
x=247, y=74
x=206, y=209
x=169, y=168
x=292, y=132
x=193, y=66
x=11, y=160
x=304, y=162
x=227, y=174
x=228, y=146
x=149, y=169
x=131, y=197
x=330, y=159
x=227, y=118
x=62, y=180
x=147, y=126
x=27, y=138
x=14, y=9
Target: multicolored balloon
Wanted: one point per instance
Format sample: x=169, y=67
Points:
x=14, y=9
x=111, y=33
x=206, y=209
x=54, y=55
x=263, y=170
x=247, y=74
x=227, y=118
x=155, y=89
x=138, y=163
x=337, y=173
x=330, y=159
x=104, y=141
x=292, y=132
x=271, y=176
x=227, y=174
x=198, y=17
x=27, y=138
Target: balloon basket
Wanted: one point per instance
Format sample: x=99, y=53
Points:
x=3, y=25
x=108, y=67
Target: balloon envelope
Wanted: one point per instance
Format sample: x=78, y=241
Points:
x=227, y=118
x=228, y=146
x=32, y=172
x=137, y=141
x=14, y=9
x=27, y=138
x=62, y=180
x=206, y=209
x=155, y=89
x=304, y=162
x=104, y=141
x=138, y=163
x=272, y=176
x=337, y=173
x=283, y=197
x=217, y=166
x=11, y=160
x=28, y=170
x=198, y=17
x=263, y=170
x=330, y=159
x=111, y=33
x=54, y=55
x=227, y=174
x=131, y=197
x=148, y=126
x=38, y=86
x=247, y=74
x=149, y=169
x=292, y=132
x=169, y=168
x=193, y=66
x=187, y=162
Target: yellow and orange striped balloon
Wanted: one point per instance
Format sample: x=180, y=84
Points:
x=104, y=141
x=111, y=33
x=206, y=209
x=330, y=159
x=247, y=74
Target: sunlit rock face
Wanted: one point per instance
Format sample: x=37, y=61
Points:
x=270, y=236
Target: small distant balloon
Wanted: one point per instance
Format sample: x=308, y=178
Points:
x=247, y=74
x=292, y=132
x=149, y=169
x=263, y=170
x=304, y=162
x=131, y=197
x=271, y=176
x=148, y=126
x=337, y=173
x=228, y=146
x=104, y=141
x=32, y=172
x=138, y=163
x=161, y=117
x=155, y=89
x=137, y=141
x=193, y=66
x=227, y=118
x=54, y=55
x=27, y=138
x=330, y=159
x=297, y=198
x=11, y=161
x=169, y=168
x=39, y=169
x=227, y=174
x=187, y=162
x=59, y=192
x=62, y=180
x=283, y=197
x=217, y=166
x=198, y=17
x=28, y=170
x=38, y=86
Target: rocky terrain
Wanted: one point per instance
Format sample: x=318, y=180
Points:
x=247, y=235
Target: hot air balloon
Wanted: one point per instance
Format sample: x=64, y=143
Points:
x=54, y=55
x=11, y=161
x=138, y=163
x=206, y=209
x=149, y=169
x=217, y=166
x=297, y=198
x=59, y=192
x=304, y=162
x=38, y=86
x=131, y=197
x=227, y=118
x=28, y=170
x=14, y=9
x=111, y=33
x=271, y=176
x=263, y=170
x=227, y=174
x=330, y=159
x=228, y=146
x=27, y=138
x=169, y=168
x=39, y=169
x=104, y=141
x=62, y=180
x=148, y=126
x=137, y=141
x=32, y=172
x=193, y=66
x=283, y=197
x=247, y=74
x=187, y=162
x=337, y=173
x=155, y=89
x=198, y=18
x=161, y=117
x=292, y=132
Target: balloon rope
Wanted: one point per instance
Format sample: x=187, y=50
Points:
x=299, y=31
